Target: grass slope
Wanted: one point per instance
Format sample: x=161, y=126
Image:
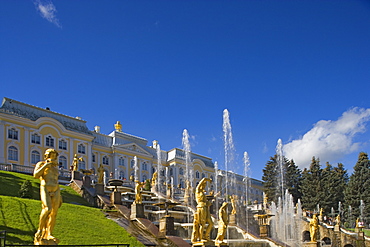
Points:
x=77, y=223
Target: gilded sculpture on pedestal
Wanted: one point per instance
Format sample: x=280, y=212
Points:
x=222, y=223
x=75, y=162
x=202, y=216
x=101, y=174
x=138, y=195
x=314, y=227
x=154, y=179
x=233, y=203
x=47, y=171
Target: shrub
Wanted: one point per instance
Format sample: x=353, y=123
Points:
x=26, y=190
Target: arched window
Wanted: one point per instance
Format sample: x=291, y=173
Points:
x=181, y=171
x=121, y=174
x=13, y=153
x=121, y=161
x=93, y=157
x=203, y=175
x=81, y=164
x=105, y=160
x=182, y=183
x=35, y=138
x=35, y=157
x=144, y=166
x=212, y=177
x=81, y=149
x=144, y=178
x=13, y=134
x=196, y=174
x=62, y=144
x=63, y=162
x=49, y=141
x=132, y=163
x=171, y=171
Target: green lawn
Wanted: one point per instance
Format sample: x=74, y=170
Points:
x=77, y=223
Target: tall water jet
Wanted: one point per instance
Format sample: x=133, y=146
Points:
x=229, y=148
x=159, y=168
x=362, y=208
x=216, y=187
x=247, y=183
x=280, y=167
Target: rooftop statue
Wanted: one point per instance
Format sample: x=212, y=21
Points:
x=222, y=223
x=47, y=171
x=202, y=216
x=118, y=126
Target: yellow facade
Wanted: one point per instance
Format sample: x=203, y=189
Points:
x=27, y=131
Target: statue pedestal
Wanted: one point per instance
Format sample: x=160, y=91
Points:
x=116, y=197
x=86, y=181
x=232, y=220
x=264, y=231
x=137, y=211
x=166, y=226
x=311, y=244
x=204, y=243
x=76, y=175
x=337, y=228
x=99, y=189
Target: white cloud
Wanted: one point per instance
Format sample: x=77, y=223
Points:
x=329, y=140
x=48, y=11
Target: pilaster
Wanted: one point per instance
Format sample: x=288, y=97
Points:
x=3, y=140
x=26, y=146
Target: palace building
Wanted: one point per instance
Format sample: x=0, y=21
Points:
x=27, y=131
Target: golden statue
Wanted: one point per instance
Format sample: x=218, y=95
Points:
x=222, y=223
x=337, y=220
x=233, y=203
x=47, y=171
x=187, y=192
x=138, y=195
x=118, y=126
x=314, y=227
x=154, y=178
x=101, y=174
x=75, y=162
x=202, y=216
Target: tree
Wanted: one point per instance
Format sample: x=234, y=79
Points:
x=358, y=189
x=291, y=176
x=26, y=190
x=311, y=187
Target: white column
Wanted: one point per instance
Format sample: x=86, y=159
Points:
x=89, y=156
x=3, y=139
x=26, y=146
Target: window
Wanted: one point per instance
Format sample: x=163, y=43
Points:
x=13, y=153
x=181, y=171
x=35, y=138
x=81, y=149
x=144, y=166
x=144, y=178
x=49, y=141
x=196, y=174
x=105, y=160
x=93, y=158
x=13, y=134
x=171, y=172
x=132, y=163
x=121, y=161
x=63, y=144
x=81, y=164
x=121, y=175
x=203, y=175
x=63, y=162
x=35, y=157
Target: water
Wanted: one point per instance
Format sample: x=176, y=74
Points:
x=159, y=168
x=136, y=169
x=285, y=222
x=247, y=183
x=216, y=187
x=229, y=148
x=362, y=208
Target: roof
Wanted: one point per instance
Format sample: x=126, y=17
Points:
x=19, y=109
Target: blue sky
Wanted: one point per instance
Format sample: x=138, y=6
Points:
x=295, y=70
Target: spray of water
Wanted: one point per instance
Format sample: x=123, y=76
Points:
x=159, y=168
x=247, y=183
x=136, y=169
x=188, y=163
x=229, y=148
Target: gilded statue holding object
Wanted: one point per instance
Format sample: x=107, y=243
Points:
x=314, y=228
x=47, y=171
x=138, y=195
x=101, y=174
x=222, y=223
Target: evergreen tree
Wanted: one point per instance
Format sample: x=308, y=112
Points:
x=311, y=186
x=293, y=180
x=359, y=188
x=291, y=176
x=26, y=190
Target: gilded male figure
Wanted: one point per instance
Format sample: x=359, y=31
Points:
x=47, y=172
x=222, y=223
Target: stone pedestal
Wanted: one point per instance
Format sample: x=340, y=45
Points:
x=264, y=231
x=137, y=211
x=204, y=243
x=337, y=228
x=166, y=226
x=76, y=175
x=232, y=220
x=86, y=181
x=99, y=189
x=116, y=197
x=311, y=244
